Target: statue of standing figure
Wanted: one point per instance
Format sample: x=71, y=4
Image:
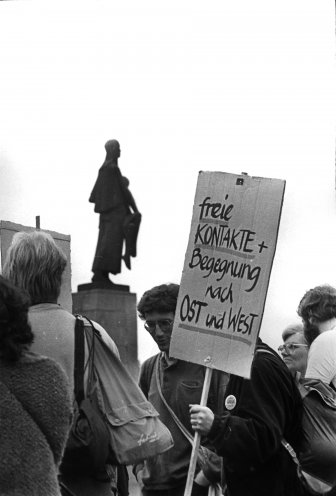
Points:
x=119, y=218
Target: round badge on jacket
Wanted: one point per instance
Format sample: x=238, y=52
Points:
x=230, y=402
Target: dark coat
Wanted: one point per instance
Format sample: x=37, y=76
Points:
x=35, y=416
x=259, y=413
x=109, y=190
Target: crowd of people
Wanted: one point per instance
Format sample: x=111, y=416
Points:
x=242, y=427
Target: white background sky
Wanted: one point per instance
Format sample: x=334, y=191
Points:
x=184, y=86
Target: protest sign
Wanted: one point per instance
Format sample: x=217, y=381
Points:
x=226, y=270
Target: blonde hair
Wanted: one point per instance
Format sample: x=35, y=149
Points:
x=291, y=330
x=35, y=263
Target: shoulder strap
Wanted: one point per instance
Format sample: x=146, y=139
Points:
x=267, y=350
x=259, y=349
x=177, y=421
x=150, y=367
x=79, y=360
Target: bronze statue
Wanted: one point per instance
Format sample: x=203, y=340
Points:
x=119, y=218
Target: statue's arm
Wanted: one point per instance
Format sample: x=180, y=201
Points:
x=131, y=201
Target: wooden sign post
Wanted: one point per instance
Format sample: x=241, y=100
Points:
x=197, y=437
x=226, y=271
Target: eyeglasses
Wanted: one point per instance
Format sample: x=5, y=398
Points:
x=164, y=324
x=290, y=347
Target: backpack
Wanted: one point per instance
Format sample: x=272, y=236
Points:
x=317, y=452
x=316, y=455
x=113, y=422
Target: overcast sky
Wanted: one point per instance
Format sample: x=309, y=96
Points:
x=184, y=86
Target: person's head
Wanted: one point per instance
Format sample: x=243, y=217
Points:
x=317, y=309
x=112, y=148
x=157, y=308
x=15, y=333
x=36, y=264
x=294, y=349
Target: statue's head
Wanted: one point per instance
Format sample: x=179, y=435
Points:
x=112, y=148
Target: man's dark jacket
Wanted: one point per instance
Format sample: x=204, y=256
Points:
x=259, y=413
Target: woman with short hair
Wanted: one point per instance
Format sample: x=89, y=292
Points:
x=294, y=350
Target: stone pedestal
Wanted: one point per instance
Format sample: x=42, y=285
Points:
x=116, y=312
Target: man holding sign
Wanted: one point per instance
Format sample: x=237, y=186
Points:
x=219, y=312
x=171, y=385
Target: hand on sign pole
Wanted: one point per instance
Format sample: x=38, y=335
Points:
x=201, y=418
x=197, y=437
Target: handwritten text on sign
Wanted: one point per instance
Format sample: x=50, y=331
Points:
x=226, y=270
